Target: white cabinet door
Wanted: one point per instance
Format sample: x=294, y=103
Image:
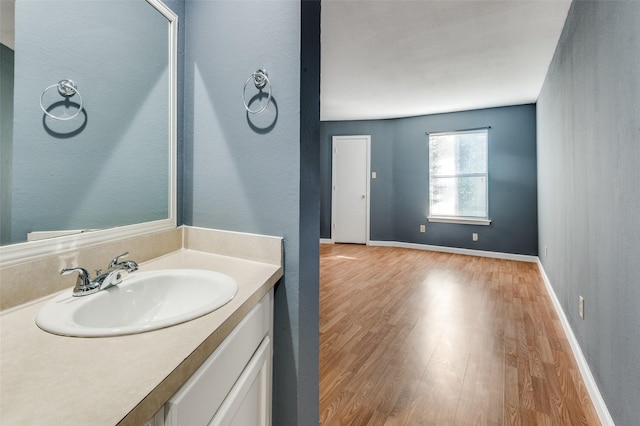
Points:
x=201, y=398
x=249, y=402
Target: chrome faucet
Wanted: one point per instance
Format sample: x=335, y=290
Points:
x=103, y=280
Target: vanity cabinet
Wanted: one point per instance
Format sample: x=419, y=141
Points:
x=233, y=386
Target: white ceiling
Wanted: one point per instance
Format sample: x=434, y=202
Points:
x=398, y=58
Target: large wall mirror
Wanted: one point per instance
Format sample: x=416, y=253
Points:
x=99, y=163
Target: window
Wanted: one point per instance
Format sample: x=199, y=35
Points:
x=458, y=190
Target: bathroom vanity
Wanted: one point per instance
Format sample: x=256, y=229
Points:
x=206, y=369
x=233, y=386
x=215, y=369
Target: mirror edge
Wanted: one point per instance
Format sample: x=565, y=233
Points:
x=27, y=251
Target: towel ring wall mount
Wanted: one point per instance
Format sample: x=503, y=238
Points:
x=260, y=80
x=66, y=89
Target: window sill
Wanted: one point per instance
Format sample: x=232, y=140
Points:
x=459, y=220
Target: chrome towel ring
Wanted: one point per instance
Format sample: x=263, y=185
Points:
x=66, y=88
x=260, y=79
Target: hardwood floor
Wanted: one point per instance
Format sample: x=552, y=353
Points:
x=411, y=337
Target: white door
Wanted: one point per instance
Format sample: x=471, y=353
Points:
x=350, y=200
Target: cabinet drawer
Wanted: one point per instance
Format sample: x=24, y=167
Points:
x=198, y=400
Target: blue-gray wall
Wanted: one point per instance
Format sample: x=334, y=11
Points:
x=400, y=193
x=382, y=141
x=247, y=172
x=107, y=167
x=589, y=191
x=308, y=393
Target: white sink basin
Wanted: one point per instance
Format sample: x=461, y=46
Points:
x=144, y=301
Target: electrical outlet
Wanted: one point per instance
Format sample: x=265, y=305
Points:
x=474, y=236
x=423, y=228
x=581, y=307
x=374, y=175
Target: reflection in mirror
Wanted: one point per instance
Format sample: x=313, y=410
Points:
x=7, y=47
x=114, y=164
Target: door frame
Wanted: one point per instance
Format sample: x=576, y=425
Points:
x=368, y=180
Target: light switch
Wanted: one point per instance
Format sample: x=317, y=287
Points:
x=373, y=175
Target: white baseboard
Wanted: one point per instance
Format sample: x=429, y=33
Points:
x=585, y=371
x=326, y=241
x=455, y=250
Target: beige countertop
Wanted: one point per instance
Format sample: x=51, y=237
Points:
x=56, y=380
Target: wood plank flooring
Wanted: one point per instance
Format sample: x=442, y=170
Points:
x=410, y=337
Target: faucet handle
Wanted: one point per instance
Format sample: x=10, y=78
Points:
x=83, y=275
x=115, y=260
x=127, y=265
x=83, y=283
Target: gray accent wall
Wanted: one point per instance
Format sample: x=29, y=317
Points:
x=589, y=191
x=382, y=141
x=308, y=398
x=400, y=193
x=258, y=173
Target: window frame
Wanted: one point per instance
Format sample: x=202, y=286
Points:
x=465, y=220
